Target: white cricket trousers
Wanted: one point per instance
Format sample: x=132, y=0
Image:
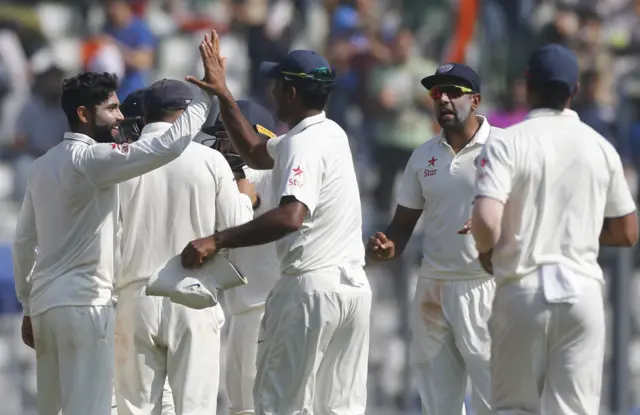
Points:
x=74, y=360
x=313, y=349
x=547, y=357
x=157, y=340
x=242, y=351
x=451, y=343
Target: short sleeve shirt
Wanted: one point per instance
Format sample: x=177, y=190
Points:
x=558, y=179
x=441, y=183
x=313, y=164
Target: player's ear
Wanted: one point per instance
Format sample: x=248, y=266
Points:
x=576, y=91
x=475, y=101
x=291, y=93
x=84, y=115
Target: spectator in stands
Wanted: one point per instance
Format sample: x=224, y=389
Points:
x=514, y=106
x=134, y=39
x=403, y=120
x=41, y=125
x=591, y=112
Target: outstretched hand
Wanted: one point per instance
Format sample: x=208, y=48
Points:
x=214, y=66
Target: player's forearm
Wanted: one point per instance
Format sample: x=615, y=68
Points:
x=400, y=238
x=245, y=140
x=271, y=226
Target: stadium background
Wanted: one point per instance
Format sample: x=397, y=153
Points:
x=381, y=48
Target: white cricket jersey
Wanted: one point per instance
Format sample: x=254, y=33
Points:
x=558, y=179
x=259, y=264
x=163, y=210
x=441, y=183
x=313, y=164
x=69, y=213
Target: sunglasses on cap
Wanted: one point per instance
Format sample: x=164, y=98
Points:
x=319, y=75
x=452, y=91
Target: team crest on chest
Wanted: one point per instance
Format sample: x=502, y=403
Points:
x=475, y=161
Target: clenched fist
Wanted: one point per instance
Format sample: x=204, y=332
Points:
x=380, y=248
x=198, y=252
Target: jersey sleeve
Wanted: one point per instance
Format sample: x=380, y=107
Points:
x=495, y=174
x=272, y=146
x=302, y=170
x=410, y=190
x=24, y=250
x=619, y=199
x=106, y=164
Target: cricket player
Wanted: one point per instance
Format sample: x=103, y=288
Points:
x=157, y=340
x=129, y=131
x=69, y=215
x=314, y=343
x=259, y=264
x=452, y=304
x=548, y=193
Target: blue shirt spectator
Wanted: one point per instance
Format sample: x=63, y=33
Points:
x=137, y=43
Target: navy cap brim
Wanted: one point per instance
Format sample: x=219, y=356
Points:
x=443, y=79
x=270, y=69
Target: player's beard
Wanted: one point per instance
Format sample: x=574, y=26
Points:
x=104, y=133
x=461, y=112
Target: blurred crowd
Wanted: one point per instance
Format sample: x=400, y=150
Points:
x=380, y=49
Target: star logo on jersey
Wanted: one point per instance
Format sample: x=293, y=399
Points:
x=123, y=148
x=484, y=162
x=297, y=172
x=432, y=162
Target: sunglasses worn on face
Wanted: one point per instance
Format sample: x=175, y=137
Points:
x=452, y=91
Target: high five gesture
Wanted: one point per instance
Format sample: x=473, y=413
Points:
x=214, y=66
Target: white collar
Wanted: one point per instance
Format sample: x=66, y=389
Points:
x=548, y=112
x=155, y=128
x=307, y=122
x=480, y=137
x=79, y=137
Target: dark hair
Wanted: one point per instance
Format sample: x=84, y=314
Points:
x=313, y=98
x=552, y=95
x=88, y=89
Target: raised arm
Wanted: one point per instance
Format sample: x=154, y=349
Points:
x=106, y=164
x=24, y=251
x=246, y=142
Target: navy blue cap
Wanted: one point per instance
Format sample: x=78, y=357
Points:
x=453, y=74
x=296, y=65
x=131, y=107
x=553, y=63
x=167, y=94
x=256, y=114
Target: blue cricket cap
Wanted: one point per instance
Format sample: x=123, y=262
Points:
x=131, y=107
x=453, y=74
x=167, y=94
x=300, y=65
x=553, y=63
